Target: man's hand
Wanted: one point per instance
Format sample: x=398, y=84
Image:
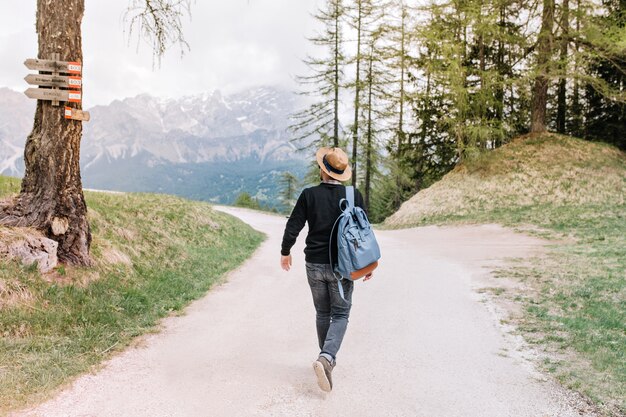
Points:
x=368, y=276
x=285, y=262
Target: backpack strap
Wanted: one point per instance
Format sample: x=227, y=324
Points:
x=350, y=195
x=340, y=287
x=330, y=245
x=350, y=201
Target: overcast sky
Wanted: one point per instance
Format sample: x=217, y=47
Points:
x=234, y=44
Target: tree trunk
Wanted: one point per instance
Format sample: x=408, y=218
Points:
x=402, y=75
x=561, y=113
x=544, y=53
x=426, y=114
x=482, y=101
x=577, y=111
x=51, y=198
x=357, y=92
x=368, y=150
x=426, y=111
x=499, y=93
x=397, y=198
x=336, y=86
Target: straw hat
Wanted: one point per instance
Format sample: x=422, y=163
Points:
x=334, y=162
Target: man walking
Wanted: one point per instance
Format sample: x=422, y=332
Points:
x=319, y=206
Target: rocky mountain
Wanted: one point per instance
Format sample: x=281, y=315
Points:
x=16, y=120
x=208, y=146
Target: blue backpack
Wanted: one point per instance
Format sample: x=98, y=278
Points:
x=358, y=251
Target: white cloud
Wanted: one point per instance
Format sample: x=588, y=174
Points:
x=234, y=44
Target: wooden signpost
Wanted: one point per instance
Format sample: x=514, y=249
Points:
x=51, y=65
x=62, y=83
x=76, y=114
x=54, y=95
x=47, y=80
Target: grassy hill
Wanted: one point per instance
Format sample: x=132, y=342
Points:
x=153, y=255
x=573, y=191
x=531, y=171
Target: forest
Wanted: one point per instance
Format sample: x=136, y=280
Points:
x=428, y=86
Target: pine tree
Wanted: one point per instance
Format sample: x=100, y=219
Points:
x=363, y=18
x=545, y=51
x=605, y=95
x=375, y=83
x=289, y=187
x=397, y=52
x=563, y=60
x=320, y=121
x=359, y=10
x=576, y=126
x=398, y=46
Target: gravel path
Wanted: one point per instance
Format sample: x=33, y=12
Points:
x=420, y=342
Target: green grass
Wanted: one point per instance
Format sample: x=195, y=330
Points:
x=576, y=309
x=154, y=254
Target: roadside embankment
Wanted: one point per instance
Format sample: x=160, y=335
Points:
x=153, y=255
x=573, y=192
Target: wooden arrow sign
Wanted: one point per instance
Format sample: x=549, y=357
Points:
x=54, y=81
x=54, y=95
x=76, y=114
x=53, y=65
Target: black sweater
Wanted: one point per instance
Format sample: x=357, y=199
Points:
x=319, y=206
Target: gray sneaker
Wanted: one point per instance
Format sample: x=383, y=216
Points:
x=323, y=370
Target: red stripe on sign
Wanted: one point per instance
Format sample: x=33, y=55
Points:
x=74, y=67
x=74, y=97
x=68, y=113
x=75, y=82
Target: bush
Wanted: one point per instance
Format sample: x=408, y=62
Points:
x=246, y=200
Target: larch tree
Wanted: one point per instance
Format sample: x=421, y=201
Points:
x=604, y=96
x=399, y=60
x=545, y=50
x=375, y=82
x=576, y=125
x=289, y=188
x=561, y=112
x=398, y=49
x=356, y=21
x=363, y=18
x=320, y=120
x=51, y=197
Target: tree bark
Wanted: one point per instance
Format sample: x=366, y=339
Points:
x=561, y=113
x=336, y=69
x=357, y=92
x=51, y=197
x=499, y=93
x=400, y=152
x=577, y=111
x=402, y=75
x=544, y=53
x=368, y=156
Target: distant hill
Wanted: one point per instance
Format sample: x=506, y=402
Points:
x=207, y=147
x=16, y=121
x=535, y=170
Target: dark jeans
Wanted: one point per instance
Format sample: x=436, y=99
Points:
x=331, y=311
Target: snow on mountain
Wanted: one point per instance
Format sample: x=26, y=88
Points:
x=137, y=134
x=16, y=120
x=197, y=129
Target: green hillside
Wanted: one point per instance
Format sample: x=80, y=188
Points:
x=531, y=171
x=153, y=255
x=566, y=189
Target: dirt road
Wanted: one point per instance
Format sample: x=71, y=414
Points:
x=420, y=342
